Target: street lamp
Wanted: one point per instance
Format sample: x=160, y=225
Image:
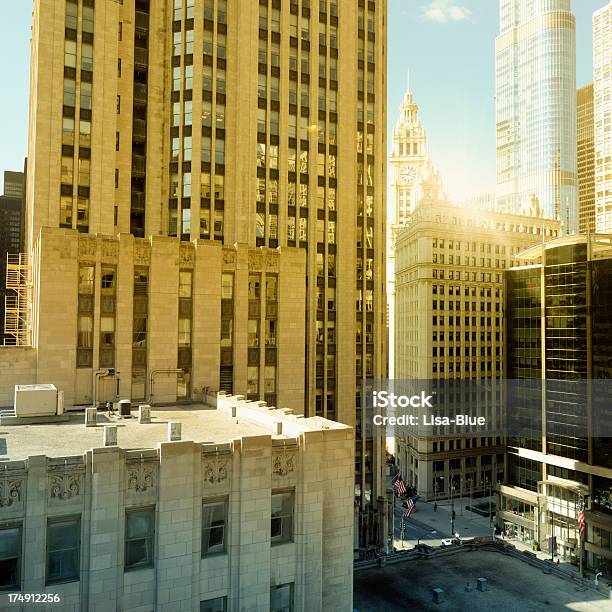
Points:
x=452, y=487
x=469, y=484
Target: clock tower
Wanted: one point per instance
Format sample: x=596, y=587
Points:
x=410, y=172
x=409, y=161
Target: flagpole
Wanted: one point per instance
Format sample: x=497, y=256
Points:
x=580, y=535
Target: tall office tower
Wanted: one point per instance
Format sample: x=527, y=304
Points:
x=586, y=159
x=535, y=57
x=11, y=233
x=409, y=167
x=449, y=325
x=214, y=172
x=13, y=184
x=482, y=201
x=602, y=82
x=558, y=362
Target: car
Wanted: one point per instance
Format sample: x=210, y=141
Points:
x=450, y=541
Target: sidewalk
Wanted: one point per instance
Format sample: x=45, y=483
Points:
x=469, y=524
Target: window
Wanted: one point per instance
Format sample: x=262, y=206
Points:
x=86, y=95
x=10, y=557
x=71, y=14
x=63, y=544
x=87, y=57
x=185, y=278
x=227, y=286
x=70, y=53
x=253, y=333
x=252, y=380
x=184, y=332
x=218, y=604
x=281, y=527
x=88, y=19
x=139, y=529
x=69, y=92
x=281, y=598
x=214, y=520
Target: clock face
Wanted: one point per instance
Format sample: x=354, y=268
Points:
x=407, y=174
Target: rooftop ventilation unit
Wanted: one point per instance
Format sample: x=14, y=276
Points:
x=36, y=400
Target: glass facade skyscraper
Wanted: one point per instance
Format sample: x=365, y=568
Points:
x=535, y=57
x=559, y=366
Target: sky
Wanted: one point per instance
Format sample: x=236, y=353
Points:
x=449, y=48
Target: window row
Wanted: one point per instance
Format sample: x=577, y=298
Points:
x=63, y=539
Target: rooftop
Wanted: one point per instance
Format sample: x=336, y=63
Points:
x=200, y=423
x=513, y=586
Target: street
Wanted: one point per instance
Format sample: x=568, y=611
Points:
x=429, y=526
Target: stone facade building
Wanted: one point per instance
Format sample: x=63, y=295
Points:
x=191, y=164
x=251, y=508
x=11, y=233
x=449, y=324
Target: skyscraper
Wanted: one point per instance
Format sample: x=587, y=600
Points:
x=535, y=57
x=558, y=361
x=586, y=159
x=410, y=167
x=11, y=231
x=214, y=172
x=602, y=81
x=449, y=298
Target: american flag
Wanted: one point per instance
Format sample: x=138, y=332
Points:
x=399, y=485
x=581, y=521
x=409, y=507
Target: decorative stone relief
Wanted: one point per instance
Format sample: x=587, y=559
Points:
x=140, y=476
x=64, y=485
x=141, y=253
x=229, y=257
x=110, y=249
x=283, y=462
x=186, y=255
x=215, y=469
x=10, y=491
x=87, y=248
x=255, y=261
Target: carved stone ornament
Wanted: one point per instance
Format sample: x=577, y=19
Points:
x=255, y=261
x=10, y=490
x=229, y=257
x=64, y=485
x=87, y=248
x=283, y=462
x=110, y=249
x=215, y=469
x=140, y=476
x=186, y=255
x=141, y=252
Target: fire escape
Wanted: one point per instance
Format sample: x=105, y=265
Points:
x=17, y=322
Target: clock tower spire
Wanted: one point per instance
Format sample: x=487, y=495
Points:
x=412, y=176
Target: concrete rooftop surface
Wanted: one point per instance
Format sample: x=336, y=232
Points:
x=513, y=586
x=200, y=423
